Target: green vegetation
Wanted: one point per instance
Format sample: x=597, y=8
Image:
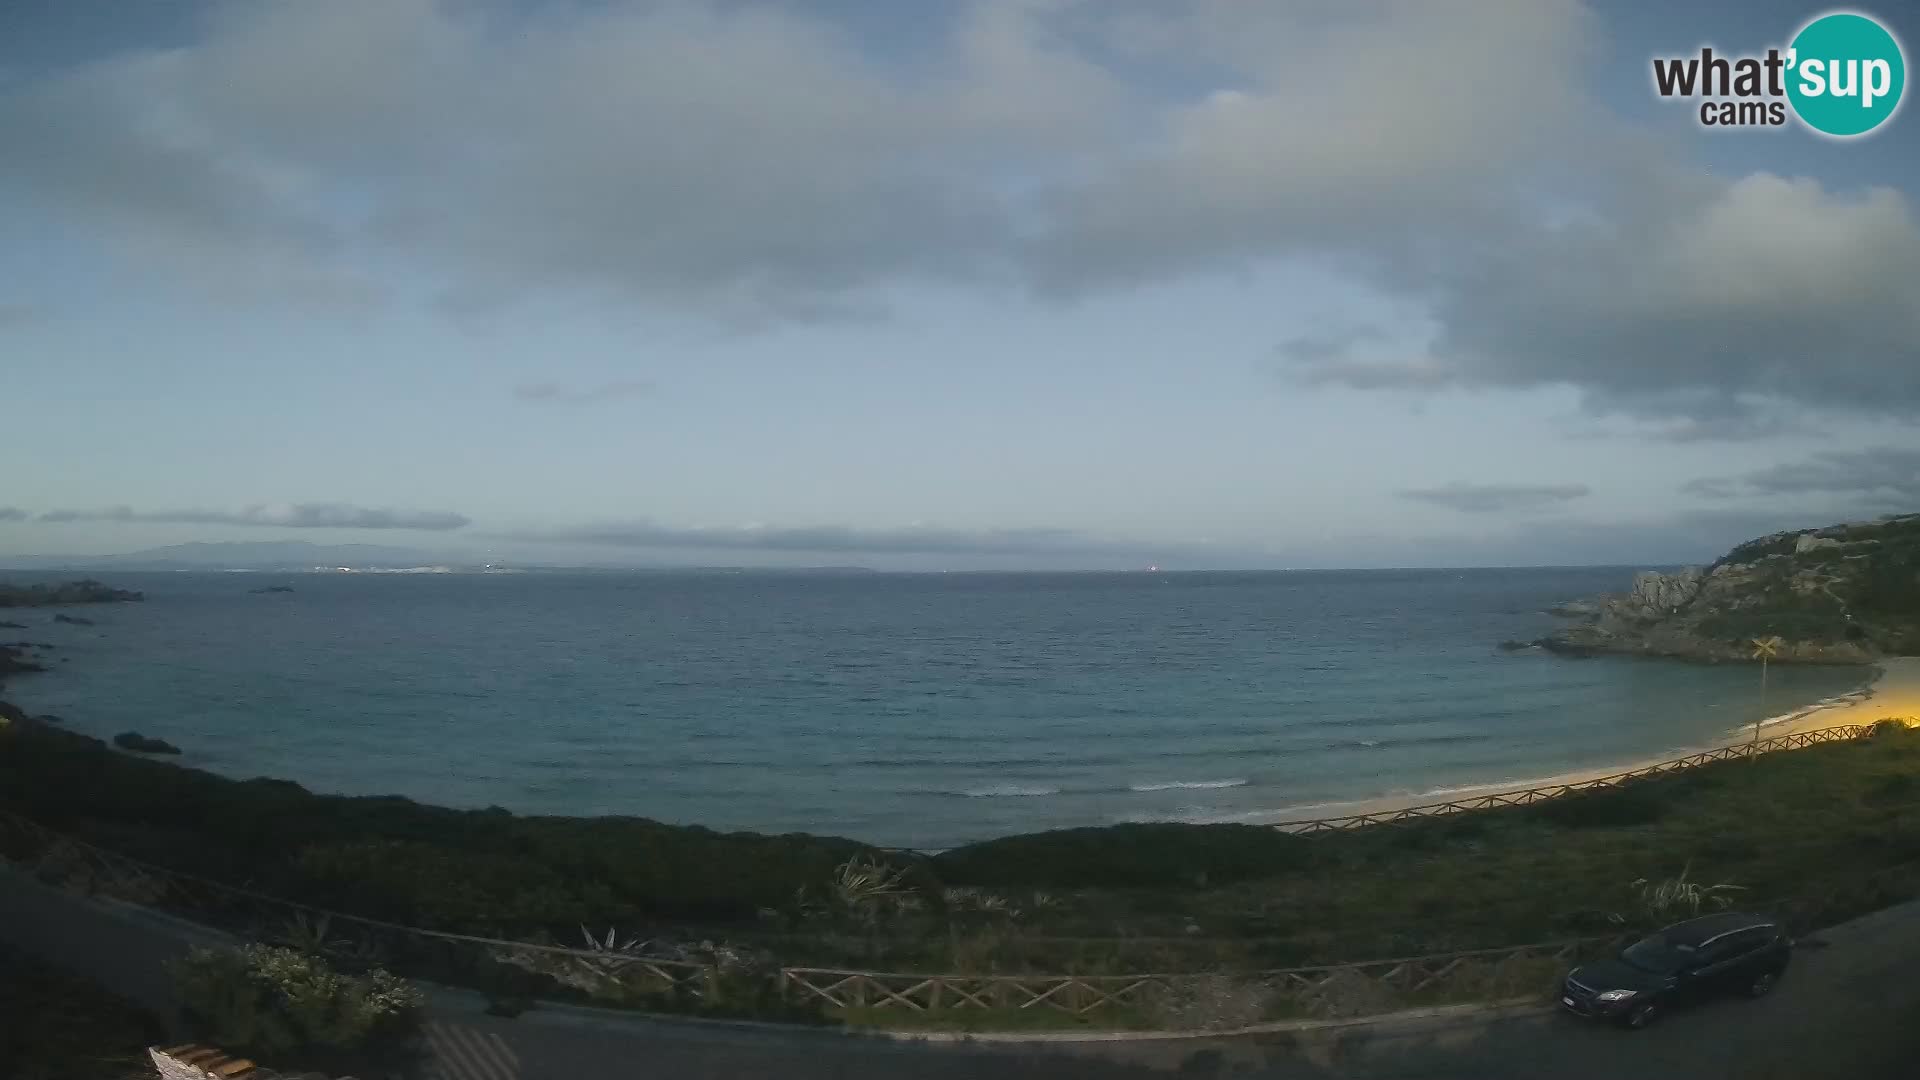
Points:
x=56, y=1027
x=294, y=1010
x=1817, y=834
x=70, y=592
x=1128, y=856
x=1866, y=589
x=1842, y=594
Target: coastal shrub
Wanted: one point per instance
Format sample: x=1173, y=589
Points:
x=1890, y=729
x=397, y=859
x=424, y=885
x=1631, y=804
x=292, y=1009
x=1680, y=896
x=1122, y=856
x=1894, y=789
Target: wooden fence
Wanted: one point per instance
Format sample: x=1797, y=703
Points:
x=1319, y=990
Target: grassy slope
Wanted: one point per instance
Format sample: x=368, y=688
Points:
x=1151, y=897
x=1875, y=579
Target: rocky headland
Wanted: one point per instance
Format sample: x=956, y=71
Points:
x=1844, y=594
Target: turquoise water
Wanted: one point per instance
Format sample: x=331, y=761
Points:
x=923, y=710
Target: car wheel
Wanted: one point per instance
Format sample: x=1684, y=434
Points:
x=1642, y=1014
x=1763, y=984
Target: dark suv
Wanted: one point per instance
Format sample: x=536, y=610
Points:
x=1713, y=954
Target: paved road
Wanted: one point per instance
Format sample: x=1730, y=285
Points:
x=1847, y=1009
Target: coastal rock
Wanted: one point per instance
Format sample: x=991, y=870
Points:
x=1513, y=645
x=1844, y=594
x=13, y=662
x=72, y=592
x=1575, y=609
x=1812, y=542
x=72, y=620
x=133, y=740
x=1661, y=592
x=13, y=713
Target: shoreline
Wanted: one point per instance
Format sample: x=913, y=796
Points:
x=1894, y=692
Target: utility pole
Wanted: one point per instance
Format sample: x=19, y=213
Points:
x=1764, y=649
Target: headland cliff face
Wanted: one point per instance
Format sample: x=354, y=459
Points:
x=1844, y=594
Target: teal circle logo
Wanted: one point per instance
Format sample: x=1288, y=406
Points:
x=1845, y=74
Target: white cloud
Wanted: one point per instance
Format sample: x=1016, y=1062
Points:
x=767, y=164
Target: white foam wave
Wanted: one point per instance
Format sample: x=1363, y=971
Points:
x=1186, y=785
x=1837, y=701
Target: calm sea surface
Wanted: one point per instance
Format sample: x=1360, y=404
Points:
x=924, y=710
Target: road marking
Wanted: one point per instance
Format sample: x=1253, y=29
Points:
x=464, y=1054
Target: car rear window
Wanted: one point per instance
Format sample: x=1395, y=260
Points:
x=1657, y=953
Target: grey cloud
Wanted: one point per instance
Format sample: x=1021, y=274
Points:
x=1495, y=498
x=11, y=513
x=1880, y=476
x=614, y=151
x=561, y=394
x=834, y=539
x=1724, y=306
x=296, y=516
x=1692, y=536
x=477, y=143
x=1700, y=310
x=1364, y=176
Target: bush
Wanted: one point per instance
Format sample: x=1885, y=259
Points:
x=480, y=871
x=1122, y=856
x=1635, y=804
x=294, y=1011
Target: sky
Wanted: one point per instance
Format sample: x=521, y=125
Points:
x=1003, y=284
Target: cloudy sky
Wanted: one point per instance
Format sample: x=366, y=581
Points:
x=996, y=284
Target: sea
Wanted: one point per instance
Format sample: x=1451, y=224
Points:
x=914, y=710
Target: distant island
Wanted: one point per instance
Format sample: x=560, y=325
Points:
x=304, y=557
x=1843, y=594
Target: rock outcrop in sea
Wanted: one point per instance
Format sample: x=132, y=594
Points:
x=133, y=740
x=1844, y=594
x=14, y=661
x=88, y=591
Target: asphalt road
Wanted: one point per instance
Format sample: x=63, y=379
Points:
x=1846, y=1009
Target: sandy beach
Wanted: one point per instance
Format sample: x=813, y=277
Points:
x=1894, y=693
